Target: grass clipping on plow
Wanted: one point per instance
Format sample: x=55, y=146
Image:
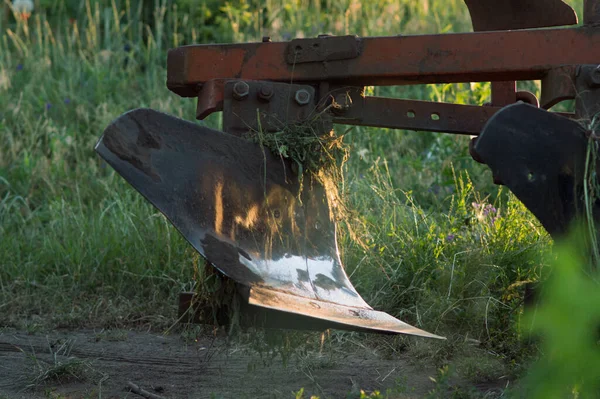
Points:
x=317, y=152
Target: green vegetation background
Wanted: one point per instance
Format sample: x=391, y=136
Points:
x=447, y=250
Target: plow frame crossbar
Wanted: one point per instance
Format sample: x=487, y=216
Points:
x=345, y=64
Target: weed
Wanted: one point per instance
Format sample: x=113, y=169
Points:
x=480, y=367
x=61, y=368
x=190, y=333
x=312, y=361
x=445, y=389
x=33, y=325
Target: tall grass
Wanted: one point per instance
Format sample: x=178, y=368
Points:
x=459, y=270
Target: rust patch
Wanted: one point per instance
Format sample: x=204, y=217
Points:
x=322, y=49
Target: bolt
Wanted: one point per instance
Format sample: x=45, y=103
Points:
x=241, y=90
x=265, y=92
x=302, y=97
x=594, y=77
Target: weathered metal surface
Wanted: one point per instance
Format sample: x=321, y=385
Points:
x=415, y=115
x=210, y=98
x=322, y=49
x=464, y=57
x=490, y=15
x=587, y=87
x=275, y=309
x=504, y=93
x=240, y=207
x=358, y=318
x=540, y=157
x=268, y=107
x=558, y=85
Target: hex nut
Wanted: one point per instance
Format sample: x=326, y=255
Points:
x=265, y=92
x=241, y=90
x=302, y=97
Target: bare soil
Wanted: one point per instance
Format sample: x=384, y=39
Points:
x=103, y=363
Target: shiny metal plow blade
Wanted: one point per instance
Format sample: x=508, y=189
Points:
x=242, y=209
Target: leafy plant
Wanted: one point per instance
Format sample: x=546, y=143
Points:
x=566, y=321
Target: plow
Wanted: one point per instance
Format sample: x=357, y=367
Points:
x=269, y=225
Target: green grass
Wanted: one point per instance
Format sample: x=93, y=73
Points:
x=79, y=247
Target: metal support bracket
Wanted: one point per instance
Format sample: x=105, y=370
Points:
x=252, y=106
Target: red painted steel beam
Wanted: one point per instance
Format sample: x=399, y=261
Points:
x=447, y=58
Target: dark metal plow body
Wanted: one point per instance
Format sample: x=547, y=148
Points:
x=241, y=208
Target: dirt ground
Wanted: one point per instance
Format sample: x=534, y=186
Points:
x=92, y=364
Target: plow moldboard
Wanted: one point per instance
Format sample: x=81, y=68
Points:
x=242, y=209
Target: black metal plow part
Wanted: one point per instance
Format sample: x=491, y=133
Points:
x=242, y=209
x=541, y=157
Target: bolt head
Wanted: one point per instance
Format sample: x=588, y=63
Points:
x=302, y=97
x=241, y=90
x=265, y=92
